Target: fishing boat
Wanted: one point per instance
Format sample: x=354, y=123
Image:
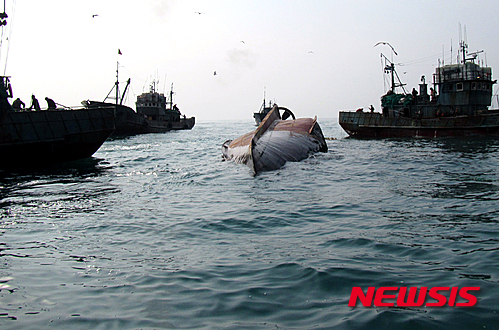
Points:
x=264, y=110
x=456, y=106
x=42, y=137
x=155, y=113
x=276, y=141
x=161, y=114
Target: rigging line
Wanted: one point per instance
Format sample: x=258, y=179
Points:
x=495, y=97
x=383, y=75
x=1, y=40
x=136, y=77
x=423, y=59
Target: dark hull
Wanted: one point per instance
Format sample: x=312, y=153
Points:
x=36, y=138
x=128, y=122
x=259, y=116
x=374, y=125
x=133, y=127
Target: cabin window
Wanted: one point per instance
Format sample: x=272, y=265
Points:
x=473, y=86
x=459, y=87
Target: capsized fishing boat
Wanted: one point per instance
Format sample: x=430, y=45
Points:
x=276, y=141
x=42, y=137
x=154, y=112
x=457, y=105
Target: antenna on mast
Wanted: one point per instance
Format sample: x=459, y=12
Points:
x=460, y=34
x=443, y=55
x=171, y=97
x=463, y=44
x=451, y=51
x=465, y=36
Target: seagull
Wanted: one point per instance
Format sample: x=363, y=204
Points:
x=242, y=41
x=386, y=43
x=198, y=12
x=214, y=73
x=310, y=52
x=95, y=15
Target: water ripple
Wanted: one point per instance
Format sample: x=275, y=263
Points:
x=157, y=232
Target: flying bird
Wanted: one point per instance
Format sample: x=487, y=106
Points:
x=214, y=73
x=310, y=52
x=95, y=15
x=243, y=41
x=386, y=43
x=198, y=12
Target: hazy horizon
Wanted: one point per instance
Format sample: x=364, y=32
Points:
x=315, y=58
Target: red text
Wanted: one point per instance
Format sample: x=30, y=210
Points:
x=414, y=296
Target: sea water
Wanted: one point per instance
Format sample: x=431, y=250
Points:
x=156, y=231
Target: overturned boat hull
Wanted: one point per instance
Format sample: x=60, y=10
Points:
x=276, y=142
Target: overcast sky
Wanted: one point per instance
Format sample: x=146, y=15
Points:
x=313, y=57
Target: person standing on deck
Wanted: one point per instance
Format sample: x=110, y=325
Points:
x=433, y=95
x=34, y=104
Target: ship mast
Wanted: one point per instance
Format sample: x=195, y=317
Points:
x=390, y=68
x=3, y=16
x=464, y=47
x=117, y=83
x=264, y=94
x=171, y=98
x=119, y=101
x=3, y=22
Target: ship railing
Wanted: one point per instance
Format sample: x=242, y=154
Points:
x=360, y=118
x=482, y=74
x=65, y=108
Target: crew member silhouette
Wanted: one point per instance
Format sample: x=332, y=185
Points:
x=50, y=103
x=34, y=104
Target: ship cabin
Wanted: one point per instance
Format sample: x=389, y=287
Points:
x=466, y=86
x=460, y=89
x=155, y=106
